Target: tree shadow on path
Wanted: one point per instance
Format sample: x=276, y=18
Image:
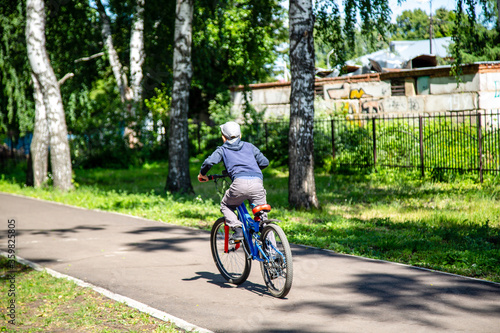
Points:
x=218, y=280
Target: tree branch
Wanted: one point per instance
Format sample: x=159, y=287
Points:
x=100, y=54
x=65, y=77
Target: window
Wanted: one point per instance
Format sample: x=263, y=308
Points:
x=398, y=87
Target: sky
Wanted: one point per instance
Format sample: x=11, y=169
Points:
x=422, y=4
x=407, y=5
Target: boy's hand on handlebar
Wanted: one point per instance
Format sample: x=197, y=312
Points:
x=202, y=178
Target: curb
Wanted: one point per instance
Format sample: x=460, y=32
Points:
x=116, y=297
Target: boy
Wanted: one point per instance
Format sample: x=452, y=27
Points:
x=243, y=162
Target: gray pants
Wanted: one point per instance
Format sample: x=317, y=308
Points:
x=242, y=189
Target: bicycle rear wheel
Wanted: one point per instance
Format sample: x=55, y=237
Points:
x=278, y=269
x=230, y=257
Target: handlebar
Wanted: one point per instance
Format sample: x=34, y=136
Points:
x=215, y=177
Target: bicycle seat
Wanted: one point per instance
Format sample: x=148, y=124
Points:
x=261, y=208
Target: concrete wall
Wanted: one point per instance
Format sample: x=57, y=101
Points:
x=448, y=85
x=429, y=90
x=489, y=93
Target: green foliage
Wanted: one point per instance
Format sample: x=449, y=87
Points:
x=340, y=34
x=220, y=108
x=329, y=34
x=415, y=24
x=97, y=132
x=472, y=40
x=159, y=108
x=272, y=138
x=233, y=43
x=397, y=143
x=17, y=111
x=352, y=146
x=203, y=139
x=443, y=23
x=72, y=35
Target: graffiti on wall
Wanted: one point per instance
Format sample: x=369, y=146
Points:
x=361, y=106
x=344, y=92
x=358, y=94
x=497, y=89
x=413, y=105
x=359, y=100
x=338, y=92
x=344, y=108
x=371, y=107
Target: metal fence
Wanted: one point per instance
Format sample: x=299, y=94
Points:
x=456, y=141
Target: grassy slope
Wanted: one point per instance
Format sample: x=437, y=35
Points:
x=453, y=227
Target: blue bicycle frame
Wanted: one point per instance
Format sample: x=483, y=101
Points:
x=251, y=233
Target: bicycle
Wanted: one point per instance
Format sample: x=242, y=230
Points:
x=264, y=241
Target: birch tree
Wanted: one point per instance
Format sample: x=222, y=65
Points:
x=137, y=55
x=178, y=179
x=45, y=79
x=301, y=182
x=40, y=141
x=114, y=59
x=131, y=95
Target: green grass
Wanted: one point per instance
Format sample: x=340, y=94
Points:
x=449, y=226
x=44, y=303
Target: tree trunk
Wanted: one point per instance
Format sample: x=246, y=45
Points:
x=40, y=63
x=114, y=60
x=131, y=97
x=40, y=143
x=301, y=183
x=178, y=179
x=137, y=55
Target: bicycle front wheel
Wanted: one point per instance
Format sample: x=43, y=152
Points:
x=229, y=256
x=277, y=269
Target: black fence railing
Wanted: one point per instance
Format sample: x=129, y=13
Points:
x=458, y=141
x=455, y=141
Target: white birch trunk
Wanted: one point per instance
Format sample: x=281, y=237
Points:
x=40, y=64
x=40, y=143
x=131, y=97
x=137, y=55
x=302, y=186
x=178, y=179
x=114, y=60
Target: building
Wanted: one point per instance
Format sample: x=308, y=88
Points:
x=415, y=90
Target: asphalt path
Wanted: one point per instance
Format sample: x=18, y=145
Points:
x=170, y=268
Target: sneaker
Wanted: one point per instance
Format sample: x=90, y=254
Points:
x=238, y=233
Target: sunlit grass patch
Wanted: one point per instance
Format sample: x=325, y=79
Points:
x=48, y=304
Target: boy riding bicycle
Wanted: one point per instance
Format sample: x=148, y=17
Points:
x=243, y=162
